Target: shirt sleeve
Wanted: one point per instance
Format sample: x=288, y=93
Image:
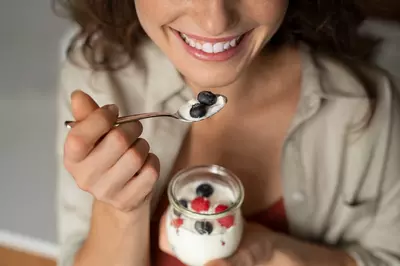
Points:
x=74, y=206
x=380, y=245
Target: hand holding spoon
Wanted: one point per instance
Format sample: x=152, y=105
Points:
x=183, y=114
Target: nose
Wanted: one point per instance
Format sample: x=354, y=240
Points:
x=214, y=16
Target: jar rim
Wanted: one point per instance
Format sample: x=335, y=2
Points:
x=213, y=168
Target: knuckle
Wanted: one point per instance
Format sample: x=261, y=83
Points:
x=143, y=147
x=120, y=138
x=83, y=184
x=74, y=145
x=103, y=119
x=100, y=194
x=146, y=147
x=152, y=170
x=139, y=127
x=134, y=156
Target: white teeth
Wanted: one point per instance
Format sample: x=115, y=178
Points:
x=210, y=47
x=218, y=47
x=226, y=45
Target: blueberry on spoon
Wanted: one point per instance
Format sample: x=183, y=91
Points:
x=198, y=110
x=207, y=98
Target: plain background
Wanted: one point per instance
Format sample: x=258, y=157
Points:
x=29, y=54
x=30, y=37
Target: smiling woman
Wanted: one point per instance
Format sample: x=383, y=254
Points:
x=310, y=129
x=329, y=26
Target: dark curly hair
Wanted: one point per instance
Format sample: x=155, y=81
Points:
x=111, y=32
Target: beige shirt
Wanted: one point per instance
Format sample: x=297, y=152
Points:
x=340, y=162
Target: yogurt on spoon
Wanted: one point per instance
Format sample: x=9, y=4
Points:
x=206, y=105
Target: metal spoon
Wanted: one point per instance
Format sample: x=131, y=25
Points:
x=183, y=113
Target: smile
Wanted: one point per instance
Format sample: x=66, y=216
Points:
x=211, y=47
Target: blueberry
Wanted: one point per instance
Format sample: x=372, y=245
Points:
x=207, y=98
x=203, y=227
x=198, y=110
x=184, y=204
x=204, y=190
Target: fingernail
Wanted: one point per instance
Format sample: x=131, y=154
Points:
x=112, y=107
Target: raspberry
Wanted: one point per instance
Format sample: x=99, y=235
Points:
x=226, y=221
x=177, y=222
x=200, y=204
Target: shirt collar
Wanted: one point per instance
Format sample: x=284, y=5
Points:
x=163, y=80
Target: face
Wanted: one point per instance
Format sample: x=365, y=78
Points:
x=211, y=42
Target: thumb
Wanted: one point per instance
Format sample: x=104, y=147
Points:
x=82, y=105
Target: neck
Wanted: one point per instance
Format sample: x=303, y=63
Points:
x=266, y=79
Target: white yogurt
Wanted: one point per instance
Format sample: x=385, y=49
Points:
x=184, y=110
x=195, y=249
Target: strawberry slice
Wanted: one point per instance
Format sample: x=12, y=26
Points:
x=200, y=204
x=177, y=222
x=226, y=221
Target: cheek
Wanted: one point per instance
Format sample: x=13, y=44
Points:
x=156, y=13
x=267, y=12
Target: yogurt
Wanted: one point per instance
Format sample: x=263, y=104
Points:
x=184, y=110
x=196, y=241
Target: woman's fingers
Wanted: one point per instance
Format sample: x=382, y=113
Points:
x=114, y=144
x=82, y=105
x=85, y=134
x=139, y=187
x=109, y=162
x=115, y=179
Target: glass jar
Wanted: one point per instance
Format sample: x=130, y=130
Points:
x=204, y=220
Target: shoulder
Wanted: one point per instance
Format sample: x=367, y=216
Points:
x=133, y=81
x=366, y=91
x=341, y=79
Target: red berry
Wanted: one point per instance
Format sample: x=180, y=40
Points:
x=200, y=204
x=177, y=222
x=226, y=221
x=221, y=208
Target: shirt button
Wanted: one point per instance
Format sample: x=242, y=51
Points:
x=298, y=196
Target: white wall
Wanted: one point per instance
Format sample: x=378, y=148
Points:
x=29, y=37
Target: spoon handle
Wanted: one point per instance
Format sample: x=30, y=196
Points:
x=130, y=118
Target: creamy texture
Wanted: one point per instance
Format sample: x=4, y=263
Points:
x=196, y=249
x=184, y=110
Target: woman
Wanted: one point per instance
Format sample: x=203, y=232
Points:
x=311, y=131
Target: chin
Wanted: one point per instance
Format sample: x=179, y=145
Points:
x=210, y=79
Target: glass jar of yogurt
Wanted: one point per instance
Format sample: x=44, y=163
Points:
x=204, y=221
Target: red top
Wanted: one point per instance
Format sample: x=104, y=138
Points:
x=274, y=218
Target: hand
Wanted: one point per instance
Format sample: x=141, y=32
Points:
x=111, y=163
x=256, y=248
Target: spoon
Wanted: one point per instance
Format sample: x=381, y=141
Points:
x=183, y=113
